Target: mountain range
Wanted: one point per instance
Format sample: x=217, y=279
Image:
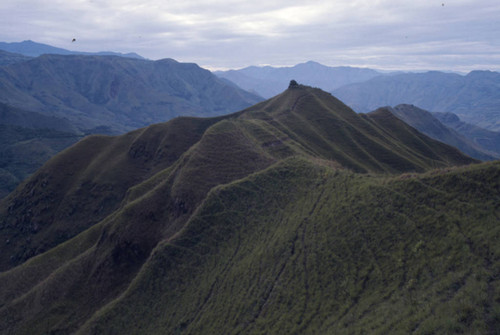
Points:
x=487, y=139
x=117, y=92
x=430, y=125
x=295, y=215
x=34, y=49
x=267, y=81
x=475, y=97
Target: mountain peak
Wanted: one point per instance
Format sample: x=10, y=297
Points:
x=311, y=63
x=293, y=84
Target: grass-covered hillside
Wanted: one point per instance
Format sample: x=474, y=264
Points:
x=296, y=215
x=306, y=249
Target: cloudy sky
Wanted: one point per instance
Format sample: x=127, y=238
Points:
x=457, y=35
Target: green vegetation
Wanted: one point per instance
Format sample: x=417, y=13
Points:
x=295, y=216
x=305, y=249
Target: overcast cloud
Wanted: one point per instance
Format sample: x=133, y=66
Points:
x=459, y=35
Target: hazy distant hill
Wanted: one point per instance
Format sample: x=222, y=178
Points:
x=428, y=124
x=291, y=216
x=474, y=97
x=117, y=93
x=490, y=140
x=268, y=81
x=7, y=58
x=34, y=49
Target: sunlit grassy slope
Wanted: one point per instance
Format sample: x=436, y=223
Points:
x=294, y=216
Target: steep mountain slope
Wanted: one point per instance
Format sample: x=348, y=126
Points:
x=268, y=81
x=220, y=225
x=487, y=139
x=426, y=123
x=34, y=49
x=474, y=97
x=115, y=92
x=92, y=177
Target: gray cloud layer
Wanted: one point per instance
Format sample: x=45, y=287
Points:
x=398, y=34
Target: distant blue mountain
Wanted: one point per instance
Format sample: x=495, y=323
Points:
x=268, y=81
x=474, y=97
x=34, y=49
x=430, y=125
x=487, y=139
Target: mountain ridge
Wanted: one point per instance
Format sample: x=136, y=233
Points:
x=225, y=217
x=302, y=120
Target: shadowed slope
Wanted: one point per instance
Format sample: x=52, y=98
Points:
x=84, y=184
x=103, y=269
